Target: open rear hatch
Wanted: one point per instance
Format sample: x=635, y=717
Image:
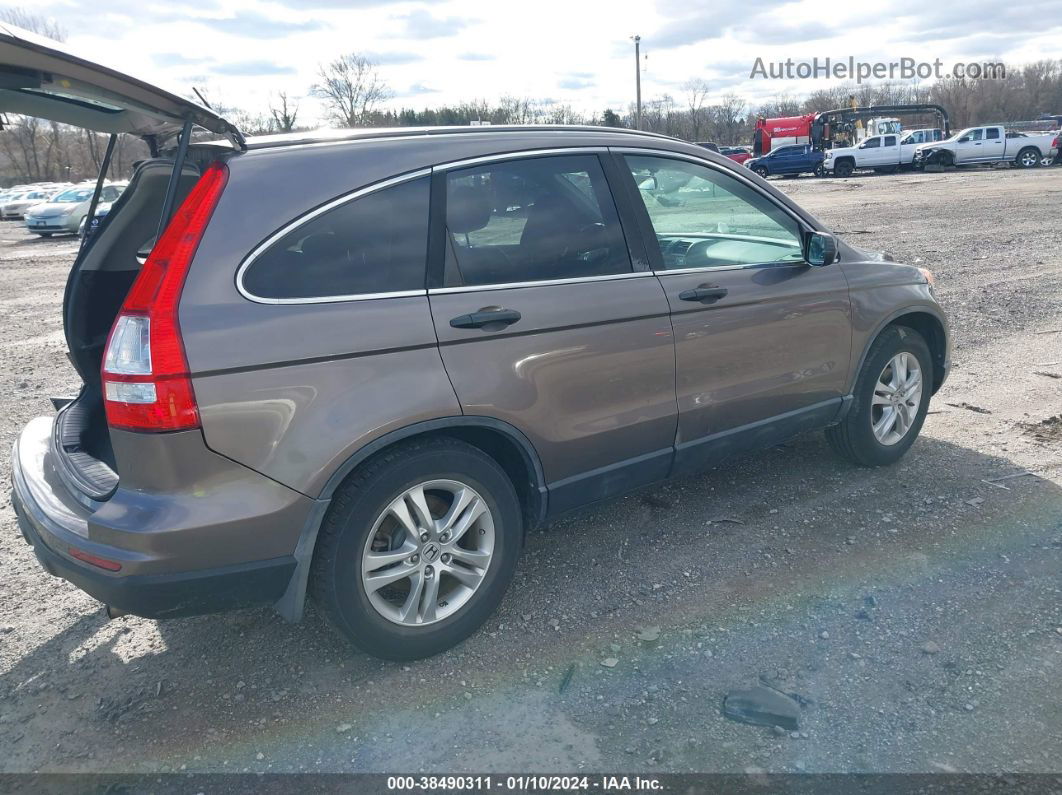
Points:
x=43, y=78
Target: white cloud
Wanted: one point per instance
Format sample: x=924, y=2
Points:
x=577, y=53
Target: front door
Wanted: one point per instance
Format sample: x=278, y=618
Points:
x=970, y=147
x=544, y=323
x=762, y=339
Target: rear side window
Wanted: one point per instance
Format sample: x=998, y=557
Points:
x=373, y=244
x=991, y=132
x=531, y=220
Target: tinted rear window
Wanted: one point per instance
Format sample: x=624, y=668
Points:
x=374, y=244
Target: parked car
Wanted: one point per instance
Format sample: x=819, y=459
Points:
x=64, y=212
x=882, y=153
x=15, y=206
x=788, y=161
x=739, y=154
x=365, y=370
x=102, y=210
x=992, y=144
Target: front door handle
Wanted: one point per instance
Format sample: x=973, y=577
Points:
x=705, y=293
x=490, y=318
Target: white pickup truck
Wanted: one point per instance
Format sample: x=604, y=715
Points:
x=991, y=144
x=883, y=153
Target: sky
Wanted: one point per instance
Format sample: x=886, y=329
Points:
x=574, y=52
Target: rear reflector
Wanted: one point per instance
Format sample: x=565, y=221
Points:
x=146, y=381
x=103, y=563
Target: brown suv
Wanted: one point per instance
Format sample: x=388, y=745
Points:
x=363, y=367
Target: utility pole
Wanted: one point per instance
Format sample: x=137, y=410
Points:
x=637, y=82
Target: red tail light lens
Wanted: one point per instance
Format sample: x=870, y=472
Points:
x=146, y=383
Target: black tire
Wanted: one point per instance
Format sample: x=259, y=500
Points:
x=1029, y=157
x=44, y=234
x=335, y=576
x=853, y=438
x=761, y=171
x=843, y=169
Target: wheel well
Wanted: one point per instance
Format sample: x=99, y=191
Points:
x=509, y=453
x=933, y=332
x=847, y=159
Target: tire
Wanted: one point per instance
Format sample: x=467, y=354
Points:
x=854, y=437
x=843, y=169
x=1028, y=158
x=359, y=523
x=760, y=171
x=44, y=234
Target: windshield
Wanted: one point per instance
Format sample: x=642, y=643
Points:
x=74, y=195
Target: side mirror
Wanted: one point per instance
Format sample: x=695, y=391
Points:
x=821, y=249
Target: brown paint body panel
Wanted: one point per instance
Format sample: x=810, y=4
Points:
x=778, y=341
x=587, y=373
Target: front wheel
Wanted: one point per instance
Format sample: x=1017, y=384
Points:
x=891, y=398
x=843, y=169
x=760, y=171
x=417, y=549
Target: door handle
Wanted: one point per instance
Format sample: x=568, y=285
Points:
x=705, y=293
x=489, y=318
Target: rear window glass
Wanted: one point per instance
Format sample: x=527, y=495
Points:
x=374, y=244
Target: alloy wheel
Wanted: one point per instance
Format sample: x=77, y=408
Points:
x=897, y=397
x=428, y=552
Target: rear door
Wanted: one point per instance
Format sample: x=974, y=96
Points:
x=762, y=340
x=545, y=322
x=995, y=143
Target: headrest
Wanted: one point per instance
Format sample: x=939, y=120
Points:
x=467, y=209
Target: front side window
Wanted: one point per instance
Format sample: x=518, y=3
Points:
x=872, y=143
x=531, y=220
x=377, y=243
x=975, y=135
x=705, y=218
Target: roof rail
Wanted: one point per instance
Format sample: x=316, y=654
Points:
x=372, y=133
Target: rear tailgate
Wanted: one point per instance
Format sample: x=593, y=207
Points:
x=41, y=77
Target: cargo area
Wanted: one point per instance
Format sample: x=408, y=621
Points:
x=99, y=280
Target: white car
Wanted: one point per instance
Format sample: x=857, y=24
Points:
x=992, y=144
x=15, y=207
x=883, y=153
x=64, y=212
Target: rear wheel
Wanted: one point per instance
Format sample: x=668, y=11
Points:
x=1028, y=158
x=417, y=549
x=891, y=398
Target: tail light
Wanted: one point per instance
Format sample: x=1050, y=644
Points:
x=1057, y=143
x=146, y=383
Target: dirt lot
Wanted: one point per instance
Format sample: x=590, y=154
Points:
x=916, y=610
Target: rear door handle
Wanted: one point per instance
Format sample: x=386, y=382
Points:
x=705, y=293
x=489, y=318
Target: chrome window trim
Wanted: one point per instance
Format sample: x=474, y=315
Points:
x=666, y=153
x=469, y=162
x=339, y=201
x=477, y=288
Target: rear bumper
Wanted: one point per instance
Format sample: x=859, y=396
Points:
x=162, y=566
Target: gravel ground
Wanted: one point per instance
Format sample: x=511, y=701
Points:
x=916, y=610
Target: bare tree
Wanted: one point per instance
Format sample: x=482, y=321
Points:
x=284, y=112
x=35, y=23
x=696, y=95
x=351, y=87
